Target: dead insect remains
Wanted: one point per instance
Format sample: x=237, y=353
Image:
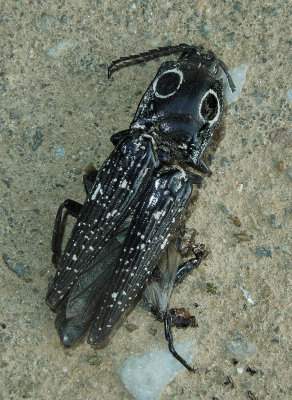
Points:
x=124, y=244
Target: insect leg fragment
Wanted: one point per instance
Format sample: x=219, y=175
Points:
x=187, y=247
x=169, y=338
x=167, y=274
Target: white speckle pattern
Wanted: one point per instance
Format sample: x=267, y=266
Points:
x=123, y=184
x=97, y=190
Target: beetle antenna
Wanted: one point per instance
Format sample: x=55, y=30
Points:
x=159, y=52
x=169, y=338
x=148, y=55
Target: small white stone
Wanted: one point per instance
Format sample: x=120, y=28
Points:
x=238, y=75
x=289, y=94
x=145, y=375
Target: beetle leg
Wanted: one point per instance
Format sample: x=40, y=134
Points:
x=169, y=338
x=74, y=209
x=186, y=246
x=195, y=178
x=201, y=166
x=167, y=275
x=89, y=178
x=183, y=269
x=188, y=266
x=118, y=137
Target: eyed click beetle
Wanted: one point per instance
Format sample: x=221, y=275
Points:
x=124, y=243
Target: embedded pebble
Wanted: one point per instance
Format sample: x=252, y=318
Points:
x=247, y=296
x=94, y=360
x=263, y=251
x=211, y=288
x=60, y=48
x=60, y=153
x=37, y=139
x=48, y=22
x=289, y=94
x=16, y=266
x=241, y=349
x=131, y=327
x=280, y=166
x=238, y=75
x=145, y=375
x=153, y=331
x=243, y=237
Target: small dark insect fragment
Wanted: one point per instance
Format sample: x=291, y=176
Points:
x=235, y=220
x=251, y=396
x=131, y=327
x=124, y=244
x=251, y=371
x=211, y=288
x=243, y=237
x=230, y=382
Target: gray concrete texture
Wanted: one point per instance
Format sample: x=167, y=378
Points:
x=57, y=113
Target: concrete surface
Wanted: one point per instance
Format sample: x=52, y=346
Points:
x=57, y=112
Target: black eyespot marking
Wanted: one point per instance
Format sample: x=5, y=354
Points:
x=210, y=107
x=168, y=83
